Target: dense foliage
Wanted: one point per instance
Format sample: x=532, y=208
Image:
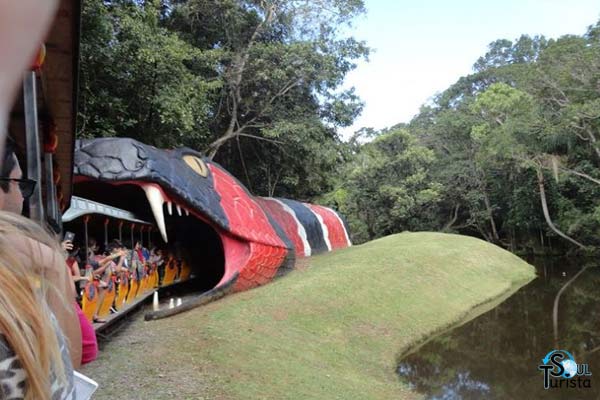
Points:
x=508, y=153
x=253, y=83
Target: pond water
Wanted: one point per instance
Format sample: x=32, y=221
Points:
x=496, y=355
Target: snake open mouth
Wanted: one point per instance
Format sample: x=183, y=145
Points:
x=179, y=228
x=228, y=239
x=232, y=240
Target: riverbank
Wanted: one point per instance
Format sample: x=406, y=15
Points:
x=333, y=329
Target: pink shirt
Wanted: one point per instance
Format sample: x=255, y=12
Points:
x=89, y=344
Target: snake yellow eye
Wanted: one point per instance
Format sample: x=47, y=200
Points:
x=197, y=165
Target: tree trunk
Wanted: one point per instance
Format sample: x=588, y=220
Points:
x=488, y=207
x=580, y=174
x=454, y=218
x=593, y=140
x=237, y=70
x=483, y=233
x=540, y=176
x=480, y=176
x=513, y=241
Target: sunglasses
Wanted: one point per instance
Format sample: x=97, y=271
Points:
x=25, y=185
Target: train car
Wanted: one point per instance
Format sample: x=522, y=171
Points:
x=115, y=293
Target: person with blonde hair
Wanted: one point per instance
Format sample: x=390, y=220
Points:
x=35, y=359
x=40, y=340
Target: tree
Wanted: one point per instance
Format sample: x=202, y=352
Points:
x=254, y=83
x=138, y=79
x=504, y=52
x=527, y=111
x=387, y=188
x=281, y=60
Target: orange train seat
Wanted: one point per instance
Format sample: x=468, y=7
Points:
x=171, y=271
x=89, y=301
x=141, y=283
x=186, y=271
x=157, y=277
x=153, y=280
x=134, y=285
x=147, y=278
x=109, y=297
x=122, y=291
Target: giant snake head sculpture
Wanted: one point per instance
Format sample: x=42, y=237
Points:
x=233, y=240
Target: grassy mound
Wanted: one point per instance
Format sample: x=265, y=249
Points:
x=333, y=330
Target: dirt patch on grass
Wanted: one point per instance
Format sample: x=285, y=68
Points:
x=370, y=329
x=152, y=360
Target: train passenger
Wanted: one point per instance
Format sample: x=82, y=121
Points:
x=11, y=199
x=93, y=248
x=35, y=311
x=138, y=259
x=116, y=254
x=139, y=249
x=14, y=188
x=34, y=288
x=145, y=252
x=72, y=262
x=156, y=258
x=99, y=269
x=98, y=262
x=89, y=342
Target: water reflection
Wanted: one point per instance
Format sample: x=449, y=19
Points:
x=496, y=356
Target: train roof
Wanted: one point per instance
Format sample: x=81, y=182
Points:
x=80, y=207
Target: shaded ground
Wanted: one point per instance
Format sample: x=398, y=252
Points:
x=333, y=330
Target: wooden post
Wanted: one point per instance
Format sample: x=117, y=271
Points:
x=85, y=226
x=106, y=220
x=121, y=231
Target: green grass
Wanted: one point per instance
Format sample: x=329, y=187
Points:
x=333, y=330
